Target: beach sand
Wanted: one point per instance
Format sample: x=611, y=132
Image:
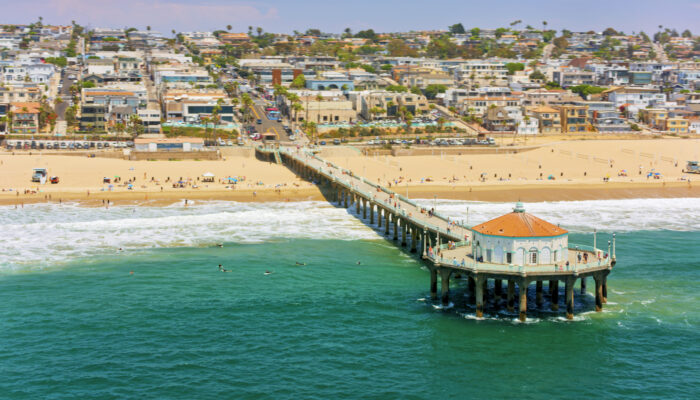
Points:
x=578, y=169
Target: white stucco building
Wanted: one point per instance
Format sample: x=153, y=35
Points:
x=520, y=239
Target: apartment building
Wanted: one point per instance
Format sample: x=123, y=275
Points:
x=549, y=119
x=574, y=118
x=25, y=117
x=479, y=105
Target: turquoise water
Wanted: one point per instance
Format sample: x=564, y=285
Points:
x=83, y=326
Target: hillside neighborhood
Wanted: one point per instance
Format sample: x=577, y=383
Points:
x=230, y=86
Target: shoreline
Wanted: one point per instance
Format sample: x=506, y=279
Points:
x=478, y=192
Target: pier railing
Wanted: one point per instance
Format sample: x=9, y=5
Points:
x=327, y=172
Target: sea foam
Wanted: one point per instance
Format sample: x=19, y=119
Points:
x=681, y=214
x=41, y=235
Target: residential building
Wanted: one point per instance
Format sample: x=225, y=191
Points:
x=549, y=119
x=25, y=117
x=567, y=77
x=676, y=125
x=574, y=118
x=478, y=106
x=93, y=117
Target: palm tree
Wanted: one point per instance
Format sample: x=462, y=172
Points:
x=390, y=104
x=259, y=30
x=148, y=28
x=319, y=99
x=216, y=115
x=440, y=123
x=296, y=107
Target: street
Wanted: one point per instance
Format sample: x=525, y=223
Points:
x=267, y=125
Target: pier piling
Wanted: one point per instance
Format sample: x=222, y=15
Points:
x=511, y=295
x=445, y=286
x=554, y=289
x=523, y=300
x=570, y=297
x=538, y=294
x=480, y=296
x=433, y=283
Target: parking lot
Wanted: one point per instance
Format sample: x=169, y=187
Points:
x=16, y=144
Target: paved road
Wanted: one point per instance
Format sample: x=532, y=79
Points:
x=64, y=94
x=267, y=125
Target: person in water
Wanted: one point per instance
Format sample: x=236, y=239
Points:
x=359, y=263
x=298, y=263
x=220, y=267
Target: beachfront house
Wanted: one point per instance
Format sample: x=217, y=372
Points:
x=25, y=117
x=520, y=239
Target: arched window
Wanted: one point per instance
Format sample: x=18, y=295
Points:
x=532, y=256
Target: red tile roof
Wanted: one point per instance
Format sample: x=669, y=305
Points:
x=519, y=224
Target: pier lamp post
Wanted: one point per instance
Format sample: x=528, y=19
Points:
x=434, y=202
x=613, y=247
x=595, y=231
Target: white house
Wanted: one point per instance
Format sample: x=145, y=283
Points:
x=521, y=239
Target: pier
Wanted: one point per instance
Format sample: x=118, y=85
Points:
x=449, y=248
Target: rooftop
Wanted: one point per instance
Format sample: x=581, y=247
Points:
x=519, y=224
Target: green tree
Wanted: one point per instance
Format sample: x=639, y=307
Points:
x=513, y=67
x=299, y=82
x=457, y=29
x=431, y=91
x=367, y=34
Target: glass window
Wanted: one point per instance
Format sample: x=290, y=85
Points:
x=533, y=257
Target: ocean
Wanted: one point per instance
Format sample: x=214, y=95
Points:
x=128, y=302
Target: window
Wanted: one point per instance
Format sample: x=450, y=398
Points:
x=533, y=257
x=509, y=258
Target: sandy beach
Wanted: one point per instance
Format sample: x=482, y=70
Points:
x=571, y=170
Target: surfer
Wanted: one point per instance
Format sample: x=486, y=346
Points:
x=299, y=263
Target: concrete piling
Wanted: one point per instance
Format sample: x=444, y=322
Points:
x=523, y=300
x=445, y=286
x=569, y=293
x=538, y=294
x=480, y=281
x=433, y=283
x=511, y=295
